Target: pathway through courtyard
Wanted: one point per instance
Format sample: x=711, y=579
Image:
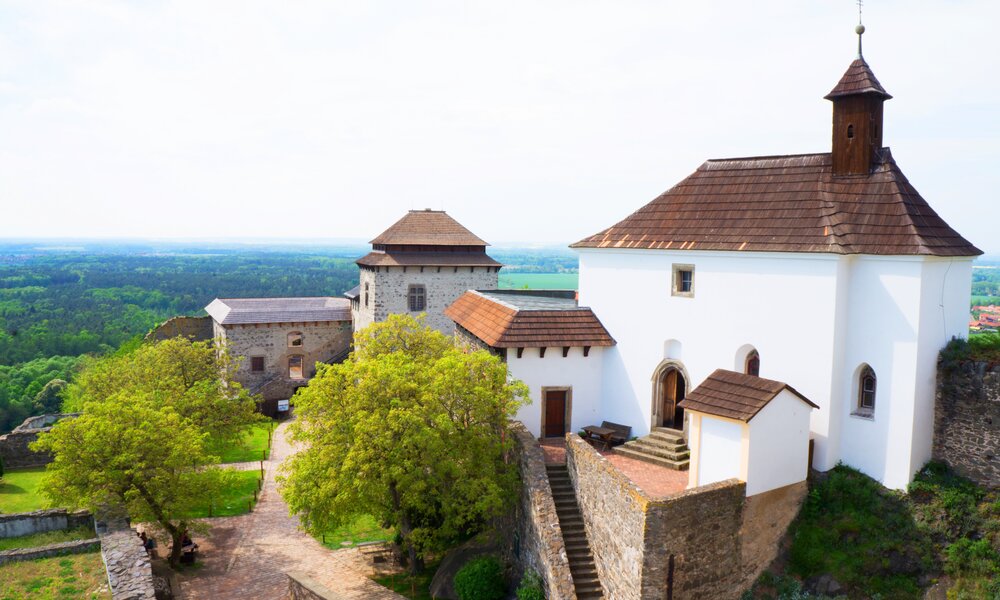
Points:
x=247, y=556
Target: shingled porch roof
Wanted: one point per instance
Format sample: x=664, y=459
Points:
x=735, y=395
x=523, y=321
x=788, y=204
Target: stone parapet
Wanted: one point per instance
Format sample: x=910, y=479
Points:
x=303, y=587
x=967, y=420
x=41, y=521
x=539, y=544
x=47, y=551
x=130, y=573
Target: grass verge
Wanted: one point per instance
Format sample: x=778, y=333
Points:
x=363, y=529
x=49, y=537
x=238, y=494
x=74, y=577
x=414, y=587
x=255, y=446
x=19, y=491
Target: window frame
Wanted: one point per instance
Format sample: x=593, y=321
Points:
x=865, y=399
x=302, y=366
x=752, y=356
x=416, y=291
x=253, y=364
x=290, y=340
x=677, y=280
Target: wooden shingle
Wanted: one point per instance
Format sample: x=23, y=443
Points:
x=735, y=395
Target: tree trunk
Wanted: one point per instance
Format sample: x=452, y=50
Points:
x=175, y=549
x=416, y=562
x=176, y=533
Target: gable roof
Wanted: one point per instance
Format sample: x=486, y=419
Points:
x=427, y=259
x=242, y=311
x=858, y=79
x=788, y=204
x=516, y=320
x=428, y=228
x=735, y=395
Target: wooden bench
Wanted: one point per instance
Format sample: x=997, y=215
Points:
x=609, y=434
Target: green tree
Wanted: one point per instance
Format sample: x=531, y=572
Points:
x=411, y=430
x=141, y=442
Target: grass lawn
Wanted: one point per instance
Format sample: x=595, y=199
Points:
x=49, y=537
x=415, y=587
x=363, y=529
x=539, y=281
x=19, y=491
x=73, y=577
x=254, y=446
x=234, y=499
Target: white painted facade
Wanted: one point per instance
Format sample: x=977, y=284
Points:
x=719, y=455
x=581, y=374
x=814, y=318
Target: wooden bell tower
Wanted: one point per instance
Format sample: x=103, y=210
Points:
x=857, y=117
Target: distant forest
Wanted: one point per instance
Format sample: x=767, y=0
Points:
x=59, y=303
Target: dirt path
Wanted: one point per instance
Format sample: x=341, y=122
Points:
x=247, y=556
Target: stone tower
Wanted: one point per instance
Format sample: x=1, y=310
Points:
x=421, y=264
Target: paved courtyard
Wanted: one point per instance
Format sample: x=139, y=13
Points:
x=247, y=556
x=656, y=481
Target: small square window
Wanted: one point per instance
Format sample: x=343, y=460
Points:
x=683, y=281
x=257, y=364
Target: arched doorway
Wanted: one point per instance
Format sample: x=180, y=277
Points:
x=669, y=388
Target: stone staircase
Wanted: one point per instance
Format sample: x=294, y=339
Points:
x=663, y=446
x=581, y=561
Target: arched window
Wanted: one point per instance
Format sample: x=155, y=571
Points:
x=366, y=294
x=752, y=366
x=295, y=339
x=866, y=391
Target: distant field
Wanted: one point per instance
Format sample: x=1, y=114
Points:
x=539, y=281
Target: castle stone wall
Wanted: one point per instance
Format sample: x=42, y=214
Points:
x=967, y=421
x=15, y=446
x=197, y=329
x=41, y=521
x=389, y=286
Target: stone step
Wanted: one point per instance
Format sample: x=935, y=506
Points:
x=654, y=440
x=677, y=465
x=667, y=433
x=671, y=453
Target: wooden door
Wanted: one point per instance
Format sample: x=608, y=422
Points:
x=555, y=413
x=673, y=389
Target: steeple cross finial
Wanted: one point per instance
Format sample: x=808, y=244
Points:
x=860, y=29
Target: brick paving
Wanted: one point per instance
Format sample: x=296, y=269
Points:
x=247, y=556
x=655, y=480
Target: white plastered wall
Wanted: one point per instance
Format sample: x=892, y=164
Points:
x=779, y=444
x=576, y=371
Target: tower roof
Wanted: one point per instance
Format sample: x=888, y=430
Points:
x=428, y=228
x=859, y=79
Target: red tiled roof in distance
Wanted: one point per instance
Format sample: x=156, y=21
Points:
x=735, y=395
x=788, y=204
x=502, y=325
x=428, y=228
x=859, y=79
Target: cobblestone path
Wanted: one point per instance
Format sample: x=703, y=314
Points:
x=246, y=557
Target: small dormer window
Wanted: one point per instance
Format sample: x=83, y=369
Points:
x=850, y=131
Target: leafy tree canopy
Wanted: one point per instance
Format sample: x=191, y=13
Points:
x=410, y=429
x=141, y=442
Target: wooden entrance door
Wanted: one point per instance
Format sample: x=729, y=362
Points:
x=673, y=387
x=555, y=413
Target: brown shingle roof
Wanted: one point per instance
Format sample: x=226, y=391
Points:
x=429, y=228
x=501, y=324
x=859, y=79
x=236, y=311
x=735, y=395
x=788, y=204
x=427, y=259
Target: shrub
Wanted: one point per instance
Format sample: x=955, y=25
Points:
x=531, y=587
x=480, y=579
x=976, y=558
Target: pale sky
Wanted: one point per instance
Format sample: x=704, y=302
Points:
x=529, y=121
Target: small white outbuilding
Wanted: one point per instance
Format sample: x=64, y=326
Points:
x=750, y=428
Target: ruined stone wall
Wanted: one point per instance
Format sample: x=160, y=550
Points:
x=537, y=543
x=685, y=546
x=14, y=446
x=197, y=329
x=390, y=285
x=49, y=550
x=967, y=420
x=130, y=573
x=321, y=342
x=766, y=518
x=41, y=521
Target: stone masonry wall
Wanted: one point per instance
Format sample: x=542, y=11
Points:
x=41, y=521
x=321, y=342
x=685, y=546
x=766, y=518
x=303, y=587
x=390, y=285
x=130, y=573
x=967, y=421
x=198, y=329
x=14, y=446
x=539, y=543
x=58, y=549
